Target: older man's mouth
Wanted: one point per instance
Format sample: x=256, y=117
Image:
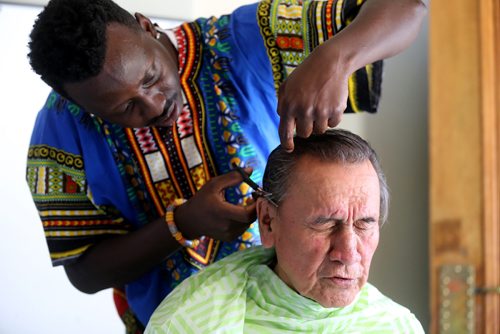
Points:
x=344, y=282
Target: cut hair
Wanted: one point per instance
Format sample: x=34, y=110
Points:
x=335, y=145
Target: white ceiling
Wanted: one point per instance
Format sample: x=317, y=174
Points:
x=169, y=9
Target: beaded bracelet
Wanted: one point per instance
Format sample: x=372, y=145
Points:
x=169, y=219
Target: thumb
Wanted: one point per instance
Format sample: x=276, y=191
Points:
x=230, y=179
x=286, y=130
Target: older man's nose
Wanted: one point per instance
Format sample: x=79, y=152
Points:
x=344, y=247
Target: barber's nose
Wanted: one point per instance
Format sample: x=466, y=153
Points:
x=154, y=104
x=344, y=246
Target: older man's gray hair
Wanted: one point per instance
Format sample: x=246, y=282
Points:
x=335, y=145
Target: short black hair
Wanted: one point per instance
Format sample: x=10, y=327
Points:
x=68, y=40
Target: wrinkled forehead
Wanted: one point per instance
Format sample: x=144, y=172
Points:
x=309, y=168
x=313, y=180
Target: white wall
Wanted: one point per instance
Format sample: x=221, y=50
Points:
x=36, y=298
x=168, y=9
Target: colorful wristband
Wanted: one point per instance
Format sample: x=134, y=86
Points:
x=169, y=219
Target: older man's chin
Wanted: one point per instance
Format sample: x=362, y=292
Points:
x=335, y=296
x=338, y=301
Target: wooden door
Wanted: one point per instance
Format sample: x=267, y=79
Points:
x=464, y=129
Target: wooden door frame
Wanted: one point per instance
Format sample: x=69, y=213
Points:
x=464, y=129
x=490, y=94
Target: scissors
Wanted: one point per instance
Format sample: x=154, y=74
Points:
x=258, y=191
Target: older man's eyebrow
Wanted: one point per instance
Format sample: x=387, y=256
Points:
x=329, y=220
x=368, y=219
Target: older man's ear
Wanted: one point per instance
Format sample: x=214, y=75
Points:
x=266, y=215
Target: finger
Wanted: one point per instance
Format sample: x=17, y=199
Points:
x=282, y=106
x=335, y=119
x=240, y=215
x=320, y=126
x=250, y=212
x=227, y=180
x=336, y=115
x=285, y=130
x=304, y=127
x=233, y=234
x=248, y=170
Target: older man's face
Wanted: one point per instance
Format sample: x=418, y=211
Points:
x=325, y=230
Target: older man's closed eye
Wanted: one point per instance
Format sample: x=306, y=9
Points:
x=319, y=228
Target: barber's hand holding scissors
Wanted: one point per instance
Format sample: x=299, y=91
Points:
x=208, y=213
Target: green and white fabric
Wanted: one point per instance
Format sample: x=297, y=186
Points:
x=241, y=294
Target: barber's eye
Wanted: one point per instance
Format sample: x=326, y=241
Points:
x=149, y=81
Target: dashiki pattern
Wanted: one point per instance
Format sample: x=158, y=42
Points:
x=92, y=180
x=241, y=294
x=289, y=42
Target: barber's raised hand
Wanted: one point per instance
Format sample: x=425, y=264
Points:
x=208, y=214
x=314, y=96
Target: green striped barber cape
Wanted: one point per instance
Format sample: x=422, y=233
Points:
x=241, y=294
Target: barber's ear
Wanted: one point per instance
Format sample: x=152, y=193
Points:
x=146, y=24
x=266, y=215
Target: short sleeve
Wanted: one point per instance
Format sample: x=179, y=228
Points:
x=56, y=178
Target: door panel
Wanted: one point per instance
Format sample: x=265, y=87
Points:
x=464, y=148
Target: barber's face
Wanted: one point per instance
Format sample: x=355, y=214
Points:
x=139, y=84
x=325, y=230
